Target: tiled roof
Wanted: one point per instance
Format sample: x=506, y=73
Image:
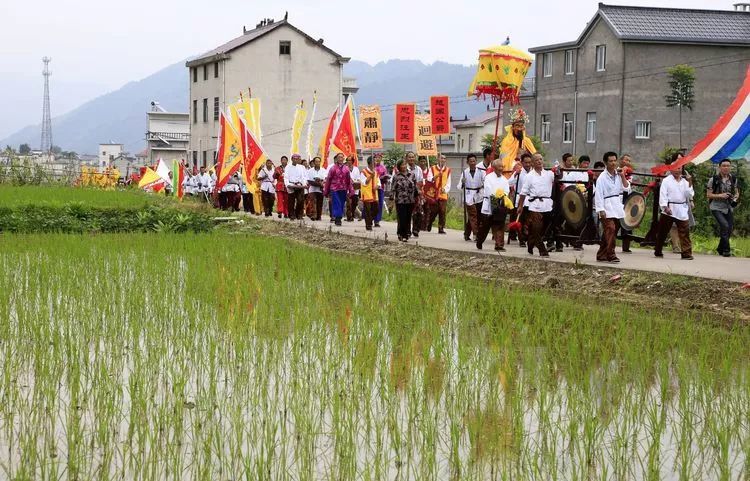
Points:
x=248, y=37
x=677, y=25
x=668, y=25
x=478, y=120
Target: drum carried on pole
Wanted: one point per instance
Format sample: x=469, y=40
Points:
x=574, y=206
x=635, y=210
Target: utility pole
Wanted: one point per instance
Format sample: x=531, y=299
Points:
x=46, y=145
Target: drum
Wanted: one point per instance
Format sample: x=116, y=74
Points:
x=635, y=210
x=574, y=206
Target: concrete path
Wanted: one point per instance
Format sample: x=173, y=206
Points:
x=734, y=269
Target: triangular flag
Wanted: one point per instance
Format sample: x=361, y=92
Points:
x=150, y=180
x=344, y=140
x=300, y=114
x=230, y=151
x=163, y=171
x=178, y=177
x=325, y=142
x=254, y=155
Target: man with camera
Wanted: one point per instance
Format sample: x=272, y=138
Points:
x=723, y=194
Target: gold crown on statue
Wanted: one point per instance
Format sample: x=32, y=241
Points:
x=519, y=115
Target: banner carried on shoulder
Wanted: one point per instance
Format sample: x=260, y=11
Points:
x=370, y=127
x=426, y=144
x=405, y=123
x=440, y=113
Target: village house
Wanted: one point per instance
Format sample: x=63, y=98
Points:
x=275, y=62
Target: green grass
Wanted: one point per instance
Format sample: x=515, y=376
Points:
x=223, y=356
x=12, y=196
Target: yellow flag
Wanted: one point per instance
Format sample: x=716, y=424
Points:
x=151, y=180
x=300, y=115
x=230, y=151
x=249, y=111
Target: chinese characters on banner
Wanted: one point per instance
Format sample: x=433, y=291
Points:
x=440, y=109
x=404, y=124
x=426, y=144
x=370, y=128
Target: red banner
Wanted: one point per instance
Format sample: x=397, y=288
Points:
x=440, y=113
x=404, y=124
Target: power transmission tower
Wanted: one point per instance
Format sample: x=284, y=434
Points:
x=46, y=146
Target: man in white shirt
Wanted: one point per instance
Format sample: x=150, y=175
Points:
x=516, y=182
x=675, y=194
x=316, y=178
x=295, y=179
x=538, y=190
x=267, y=187
x=472, y=182
x=488, y=155
x=609, y=189
x=494, y=210
x=352, y=202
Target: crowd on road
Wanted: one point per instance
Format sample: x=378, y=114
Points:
x=524, y=203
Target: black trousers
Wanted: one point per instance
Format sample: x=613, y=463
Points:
x=247, y=203
x=726, y=226
x=417, y=217
x=267, y=199
x=296, y=204
x=403, y=216
x=317, y=198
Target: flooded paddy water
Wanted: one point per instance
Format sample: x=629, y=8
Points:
x=229, y=357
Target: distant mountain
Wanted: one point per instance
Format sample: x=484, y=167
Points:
x=21, y=98
x=120, y=116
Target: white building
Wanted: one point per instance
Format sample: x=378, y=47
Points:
x=168, y=136
x=108, y=152
x=281, y=65
x=470, y=132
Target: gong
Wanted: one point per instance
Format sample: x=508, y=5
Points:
x=573, y=206
x=635, y=210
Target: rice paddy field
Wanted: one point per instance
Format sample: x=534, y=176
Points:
x=235, y=357
x=46, y=195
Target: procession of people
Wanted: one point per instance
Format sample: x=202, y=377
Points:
x=521, y=205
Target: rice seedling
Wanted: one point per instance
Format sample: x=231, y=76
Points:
x=220, y=356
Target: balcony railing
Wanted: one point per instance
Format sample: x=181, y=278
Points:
x=168, y=136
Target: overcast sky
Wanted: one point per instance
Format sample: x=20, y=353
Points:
x=106, y=43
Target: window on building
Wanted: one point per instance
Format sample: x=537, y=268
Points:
x=195, y=111
x=591, y=127
x=205, y=110
x=546, y=65
x=545, y=130
x=216, y=69
x=601, y=58
x=567, y=128
x=642, y=129
x=205, y=157
x=195, y=156
x=216, y=108
x=205, y=72
x=285, y=47
x=569, y=64
x=195, y=74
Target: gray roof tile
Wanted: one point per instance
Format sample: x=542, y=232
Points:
x=248, y=37
x=678, y=25
x=668, y=25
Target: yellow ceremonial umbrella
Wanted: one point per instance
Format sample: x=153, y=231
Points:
x=500, y=75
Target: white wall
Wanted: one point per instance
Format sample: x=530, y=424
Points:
x=107, y=152
x=279, y=81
